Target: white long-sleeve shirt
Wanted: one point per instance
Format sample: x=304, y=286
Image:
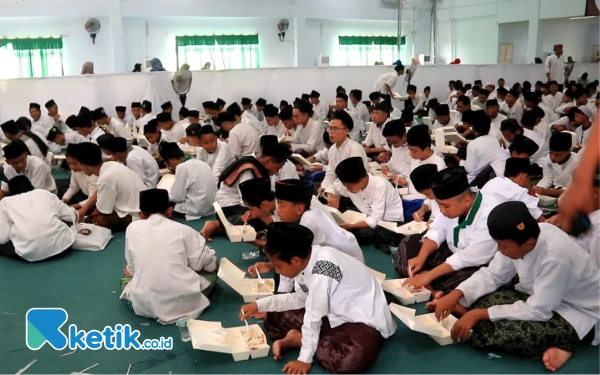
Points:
x=471, y=244
x=505, y=190
x=194, y=189
x=583, y=135
x=481, y=152
x=165, y=258
x=390, y=79
x=347, y=150
x=143, y=164
x=320, y=111
x=375, y=136
x=451, y=124
x=553, y=101
x=33, y=147
x=37, y=171
x=514, y=112
x=543, y=150
x=276, y=130
x=33, y=221
x=75, y=138
x=379, y=200
x=287, y=172
x=175, y=133
x=558, y=276
x=361, y=112
x=81, y=182
x=328, y=233
x=250, y=119
x=44, y=123
x=433, y=159
x=309, y=137
x=558, y=175
x=400, y=162
x=218, y=160
x=243, y=140
x=336, y=286
x=118, y=190
x=555, y=65
x=497, y=121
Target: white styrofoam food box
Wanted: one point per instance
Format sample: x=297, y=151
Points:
x=405, y=296
x=350, y=216
x=249, y=289
x=545, y=200
x=426, y=323
x=212, y=337
x=407, y=229
x=166, y=182
x=236, y=233
x=379, y=276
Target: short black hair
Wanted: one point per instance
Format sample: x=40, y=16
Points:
x=464, y=100
x=19, y=185
x=256, y=200
x=394, y=128
x=484, y=92
x=345, y=118
x=483, y=124
x=427, y=88
x=452, y=82
x=412, y=88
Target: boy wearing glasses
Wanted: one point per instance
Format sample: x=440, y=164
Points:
x=343, y=147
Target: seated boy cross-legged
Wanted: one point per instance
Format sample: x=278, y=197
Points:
x=457, y=243
x=170, y=271
x=338, y=313
x=296, y=204
x=374, y=196
x=553, y=307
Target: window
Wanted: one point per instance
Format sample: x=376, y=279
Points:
x=221, y=51
x=31, y=57
x=367, y=50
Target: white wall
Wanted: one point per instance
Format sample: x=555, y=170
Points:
x=77, y=45
x=577, y=37
x=515, y=33
x=162, y=31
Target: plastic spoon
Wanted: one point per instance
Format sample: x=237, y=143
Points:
x=260, y=279
x=245, y=321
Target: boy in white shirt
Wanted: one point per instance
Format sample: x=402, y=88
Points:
x=552, y=308
x=583, y=126
x=155, y=137
x=135, y=158
x=514, y=186
x=211, y=150
x=457, y=243
x=319, y=108
x=374, y=196
x=492, y=109
x=274, y=124
x=343, y=148
x=33, y=143
x=421, y=178
x=558, y=168
x=82, y=188
x=308, y=133
x=400, y=160
x=243, y=139
x=173, y=131
x=443, y=118
x=337, y=314
x=481, y=152
x=114, y=126
x=193, y=191
x=170, y=271
x=18, y=162
x=511, y=107
x=375, y=143
x=118, y=189
x=32, y=222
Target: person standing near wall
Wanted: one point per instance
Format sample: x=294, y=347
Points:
x=555, y=66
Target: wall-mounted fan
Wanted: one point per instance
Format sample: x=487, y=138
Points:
x=283, y=26
x=92, y=26
x=182, y=82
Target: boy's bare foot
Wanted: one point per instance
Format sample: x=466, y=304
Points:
x=293, y=339
x=555, y=358
x=209, y=229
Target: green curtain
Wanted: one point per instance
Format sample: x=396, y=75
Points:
x=36, y=57
x=209, y=40
x=367, y=40
x=223, y=51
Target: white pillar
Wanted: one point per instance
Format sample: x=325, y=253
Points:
x=116, y=36
x=533, y=42
x=300, y=37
